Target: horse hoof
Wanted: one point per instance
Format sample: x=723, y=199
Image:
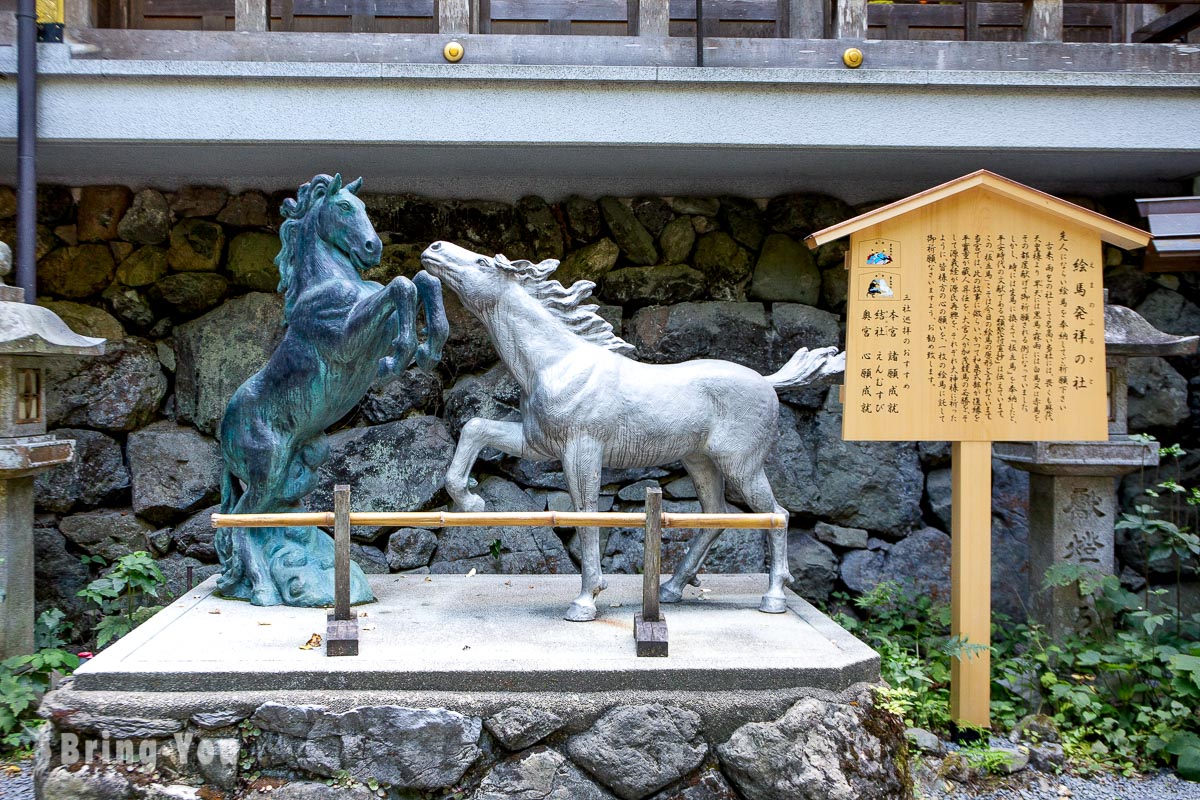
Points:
x=666, y=594
x=266, y=597
x=772, y=605
x=472, y=504
x=580, y=612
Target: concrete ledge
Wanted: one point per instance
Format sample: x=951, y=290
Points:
x=63, y=60
x=487, y=633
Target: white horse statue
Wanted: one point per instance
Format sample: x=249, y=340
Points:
x=586, y=405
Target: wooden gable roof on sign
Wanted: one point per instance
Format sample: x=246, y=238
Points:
x=1108, y=230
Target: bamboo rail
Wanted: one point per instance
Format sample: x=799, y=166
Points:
x=450, y=519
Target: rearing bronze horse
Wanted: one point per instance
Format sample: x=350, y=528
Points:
x=343, y=333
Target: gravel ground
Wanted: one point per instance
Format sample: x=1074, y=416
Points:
x=1030, y=785
x=17, y=785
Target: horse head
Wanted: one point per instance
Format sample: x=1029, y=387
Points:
x=479, y=280
x=343, y=223
x=337, y=216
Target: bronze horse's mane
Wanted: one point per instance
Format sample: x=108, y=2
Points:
x=568, y=306
x=294, y=213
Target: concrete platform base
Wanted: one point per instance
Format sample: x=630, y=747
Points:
x=476, y=685
x=480, y=633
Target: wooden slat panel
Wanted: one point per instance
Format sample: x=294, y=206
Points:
x=599, y=10
x=761, y=10
x=1002, y=56
x=384, y=48
x=336, y=8
x=802, y=19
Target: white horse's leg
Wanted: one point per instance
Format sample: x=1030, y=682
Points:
x=477, y=434
x=582, y=460
x=756, y=490
x=710, y=488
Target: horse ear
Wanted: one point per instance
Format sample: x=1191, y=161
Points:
x=335, y=185
x=354, y=186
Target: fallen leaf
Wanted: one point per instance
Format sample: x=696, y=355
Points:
x=614, y=605
x=12, y=769
x=215, y=611
x=313, y=643
x=362, y=613
x=508, y=583
x=368, y=627
x=429, y=580
x=471, y=574
x=264, y=623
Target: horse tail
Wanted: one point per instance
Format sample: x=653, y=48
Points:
x=808, y=368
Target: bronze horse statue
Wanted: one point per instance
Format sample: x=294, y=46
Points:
x=343, y=335
x=585, y=404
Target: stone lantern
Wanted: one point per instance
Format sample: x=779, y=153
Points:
x=28, y=334
x=1073, y=485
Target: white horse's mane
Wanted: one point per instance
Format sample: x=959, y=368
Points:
x=566, y=305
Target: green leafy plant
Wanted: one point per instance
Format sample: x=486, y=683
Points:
x=120, y=595
x=496, y=547
x=23, y=680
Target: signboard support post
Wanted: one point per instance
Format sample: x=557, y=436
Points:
x=971, y=581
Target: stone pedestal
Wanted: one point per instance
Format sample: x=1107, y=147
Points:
x=477, y=685
x=21, y=459
x=16, y=571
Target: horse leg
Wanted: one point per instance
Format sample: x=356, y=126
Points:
x=248, y=542
x=756, y=490
x=405, y=343
x=710, y=488
x=478, y=433
x=437, y=329
x=582, y=460
x=368, y=315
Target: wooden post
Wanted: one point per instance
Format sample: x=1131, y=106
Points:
x=79, y=13
x=251, y=16
x=1043, y=20
x=653, y=18
x=851, y=22
x=341, y=637
x=454, y=16
x=971, y=579
x=801, y=19
x=649, y=628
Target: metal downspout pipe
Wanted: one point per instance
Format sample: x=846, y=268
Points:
x=26, y=244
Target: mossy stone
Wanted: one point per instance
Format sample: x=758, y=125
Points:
x=630, y=235
x=590, y=262
x=252, y=261
x=143, y=267
x=196, y=246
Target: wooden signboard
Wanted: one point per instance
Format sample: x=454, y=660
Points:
x=975, y=314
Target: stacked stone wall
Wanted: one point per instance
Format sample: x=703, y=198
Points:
x=183, y=286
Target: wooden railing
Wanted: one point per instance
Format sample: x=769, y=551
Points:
x=650, y=628
x=775, y=33
x=1038, y=20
